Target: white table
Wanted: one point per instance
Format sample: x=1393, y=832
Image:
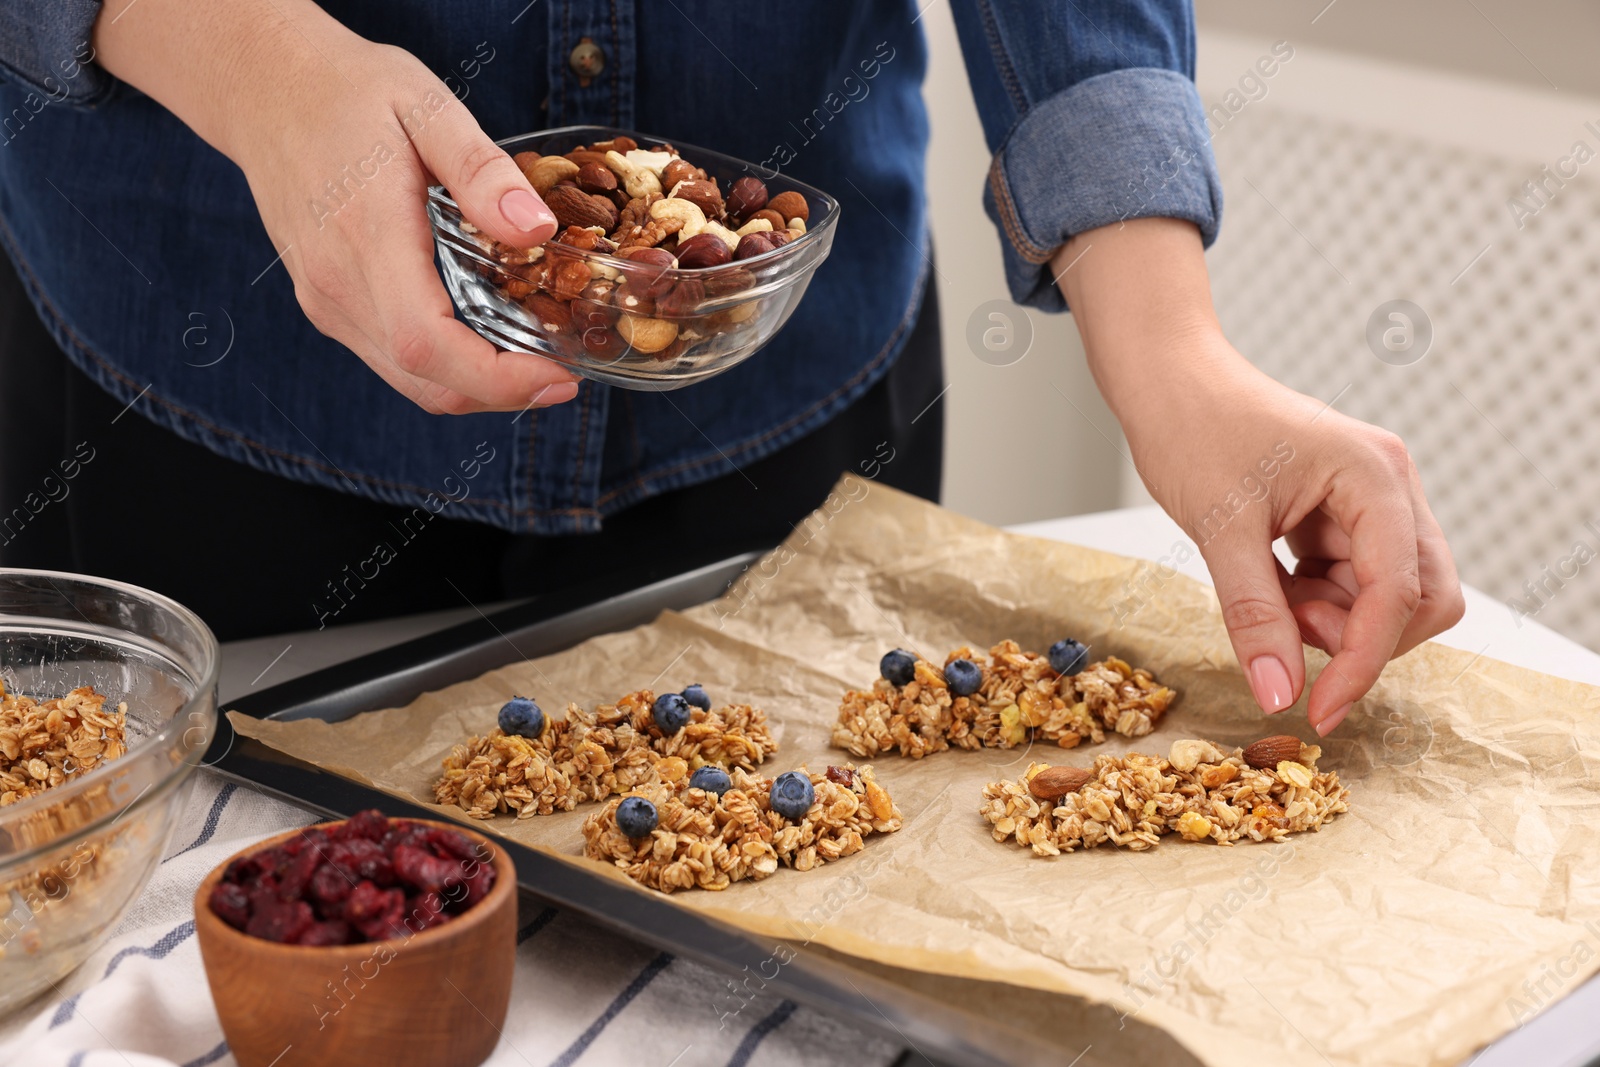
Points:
x=599, y=969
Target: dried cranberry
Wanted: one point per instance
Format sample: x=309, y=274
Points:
x=453, y=843
x=362, y=859
x=370, y=824
x=280, y=921
x=478, y=883
x=379, y=913
x=425, y=910
x=296, y=875
x=231, y=904
x=425, y=870
x=404, y=833
x=333, y=932
x=329, y=887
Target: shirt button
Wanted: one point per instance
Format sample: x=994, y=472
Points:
x=587, y=60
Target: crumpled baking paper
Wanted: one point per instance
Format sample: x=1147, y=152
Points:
x=1460, y=893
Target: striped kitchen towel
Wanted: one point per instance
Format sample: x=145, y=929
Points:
x=583, y=996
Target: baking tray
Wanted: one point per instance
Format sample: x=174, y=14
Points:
x=932, y=1030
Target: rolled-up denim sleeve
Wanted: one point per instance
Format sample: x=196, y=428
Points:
x=1091, y=114
x=44, y=45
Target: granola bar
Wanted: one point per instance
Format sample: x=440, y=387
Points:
x=1199, y=792
x=44, y=743
x=709, y=842
x=1020, y=698
x=591, y=755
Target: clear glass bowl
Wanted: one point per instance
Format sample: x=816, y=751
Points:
x=723, y=315
x=73, y=858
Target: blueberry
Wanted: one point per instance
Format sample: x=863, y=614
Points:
x=636, y=817
x=898, y=667
x=696, y=695
x=792, y=794
x=711, y=779
x=671, y=712
x=963, y=677
x=522, y=717
x=1068, y=656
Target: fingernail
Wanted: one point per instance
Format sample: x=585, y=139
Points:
x=1269, y=681
x=559, y=393
x=524, y=211
x=1325, y=727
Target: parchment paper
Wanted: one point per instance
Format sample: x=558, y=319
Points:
x=1403, y=933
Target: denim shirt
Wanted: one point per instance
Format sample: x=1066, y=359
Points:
x=141, y=248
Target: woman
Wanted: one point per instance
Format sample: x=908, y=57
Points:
x=147, y=138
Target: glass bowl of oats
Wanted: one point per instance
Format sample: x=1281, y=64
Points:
x=107, y=703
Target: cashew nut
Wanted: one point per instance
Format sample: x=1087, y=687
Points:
x=637, y=179
x=685, y=211
x=1187, y=755
x=754, y=226
x=544, y=174
x=647, y=335
x=727, y=236
x=798, y=225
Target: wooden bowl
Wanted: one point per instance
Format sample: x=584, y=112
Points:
x=437, y=998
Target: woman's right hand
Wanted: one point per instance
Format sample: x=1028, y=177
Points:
x=339, y=139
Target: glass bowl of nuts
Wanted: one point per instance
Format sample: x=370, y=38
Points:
x=107, y=704
x=672, y=264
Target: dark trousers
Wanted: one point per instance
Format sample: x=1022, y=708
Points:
x=254, y=553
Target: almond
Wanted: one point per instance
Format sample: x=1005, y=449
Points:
x=1053, y=782
x=1268, y=752
x=574, y=207
x=791, y=205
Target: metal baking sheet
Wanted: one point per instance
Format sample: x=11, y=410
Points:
x=932, y=1030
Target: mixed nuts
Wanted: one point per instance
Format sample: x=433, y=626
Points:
x=650, y=213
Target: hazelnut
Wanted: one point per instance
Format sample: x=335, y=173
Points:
x=702, y=194
x=647, y=274
x=597, y=178
x=616, y=144
x=791, y=205
x=701, y=251
x=779, y=238
x=752, y=245
x=748, y=196
x=683, y=300
x=604, y=344
x=776, y=220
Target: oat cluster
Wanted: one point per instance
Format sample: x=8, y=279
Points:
x=1199, y=792
x=706, y=842
x=1021, y=699
x=44, y=743
x=591, y=755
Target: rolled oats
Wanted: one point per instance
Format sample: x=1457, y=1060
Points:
x=1021, y=699
x=591, y=755
x=1132, y=801
x=44, y=743
x=702, y=841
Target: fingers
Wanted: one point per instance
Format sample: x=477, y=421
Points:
x=1264, y=633
x=419, y=333
x=1442, y=603
x=492, y=192
x=1383, y=559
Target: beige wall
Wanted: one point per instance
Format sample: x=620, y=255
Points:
x=1016, y=449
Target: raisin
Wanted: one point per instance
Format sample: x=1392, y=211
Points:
x=843, y=776
x=231, y=904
